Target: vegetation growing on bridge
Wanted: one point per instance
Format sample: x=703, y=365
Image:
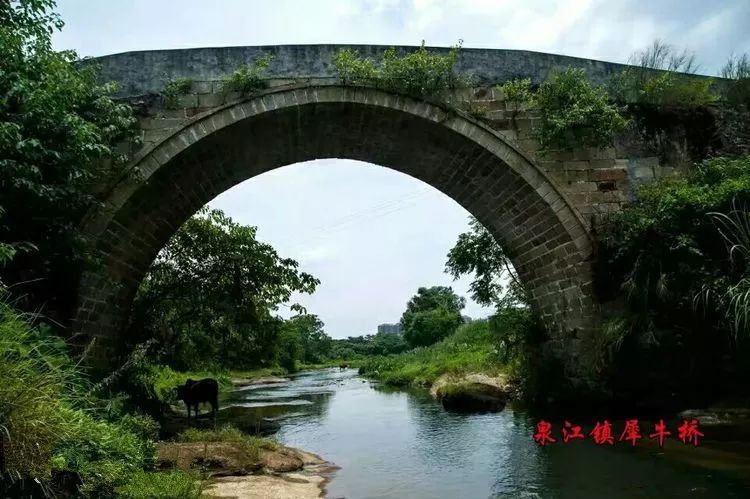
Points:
x=173, y=89
x=679, y=258
x=420, y=73
x=248, y=78
x=737, y=70
x=662, y=76
x=574, y=113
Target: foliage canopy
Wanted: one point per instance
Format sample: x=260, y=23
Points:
x=58, y=131
x=431, y=315
x=211, y=293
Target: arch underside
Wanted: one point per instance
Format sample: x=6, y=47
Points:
x=516, y=202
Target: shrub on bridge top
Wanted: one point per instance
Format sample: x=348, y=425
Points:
x=661, y=76
x=173, y=89
x=248, y=78
x=420, y=73
x=517, y=91
x=737, y=69
x=575, y=113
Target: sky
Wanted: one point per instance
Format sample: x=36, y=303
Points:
x=370, y=234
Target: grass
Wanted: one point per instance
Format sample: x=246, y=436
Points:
x=229, y=434
x=172, y=484
x=472, y=348
x=35, y=376
x=50, y=420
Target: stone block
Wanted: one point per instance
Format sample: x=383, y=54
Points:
x=576, y=165
x=602, y=163
x=583, y=187
x=641, y=172
x=609, y=174
x=189, y=100
x=202, y=87
x=211, y=100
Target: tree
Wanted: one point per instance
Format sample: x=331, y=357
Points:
x=476, y=252
x=387, y=344
x=431, y=315
x=316, y=344
x=211, y=292
x=58, y=131
x=290, y=348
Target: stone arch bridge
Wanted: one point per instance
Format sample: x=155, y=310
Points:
x=539, y=208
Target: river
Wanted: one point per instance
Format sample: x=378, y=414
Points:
x=401, y=444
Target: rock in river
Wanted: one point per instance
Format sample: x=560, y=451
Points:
x=471, y=393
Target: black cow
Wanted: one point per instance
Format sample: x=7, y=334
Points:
x=193, y=393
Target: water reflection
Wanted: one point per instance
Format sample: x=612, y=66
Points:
x=401, y=444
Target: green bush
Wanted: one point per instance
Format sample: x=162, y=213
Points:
x=104, y=454
x=173, y=89
x=172, y=484
x=248, y=78
x=419, y=73
x=665, y=255
x=671, y=89
x=661, y=76
x=575, y=113
x=518, y=91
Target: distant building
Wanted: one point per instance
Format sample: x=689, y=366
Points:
x=390, y=328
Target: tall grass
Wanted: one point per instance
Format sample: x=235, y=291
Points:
x=734, y=227
x=50, y=419
x=172, y=484
x=34, y=373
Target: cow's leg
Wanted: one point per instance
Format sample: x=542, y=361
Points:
x=197, y=410
x=188, y=409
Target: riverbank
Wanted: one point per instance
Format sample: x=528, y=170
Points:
x=472, y=349
x=228, y=459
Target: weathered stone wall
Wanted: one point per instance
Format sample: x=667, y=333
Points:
x=596, y=181
x=144, y=72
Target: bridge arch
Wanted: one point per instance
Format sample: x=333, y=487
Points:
x=515, y=200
